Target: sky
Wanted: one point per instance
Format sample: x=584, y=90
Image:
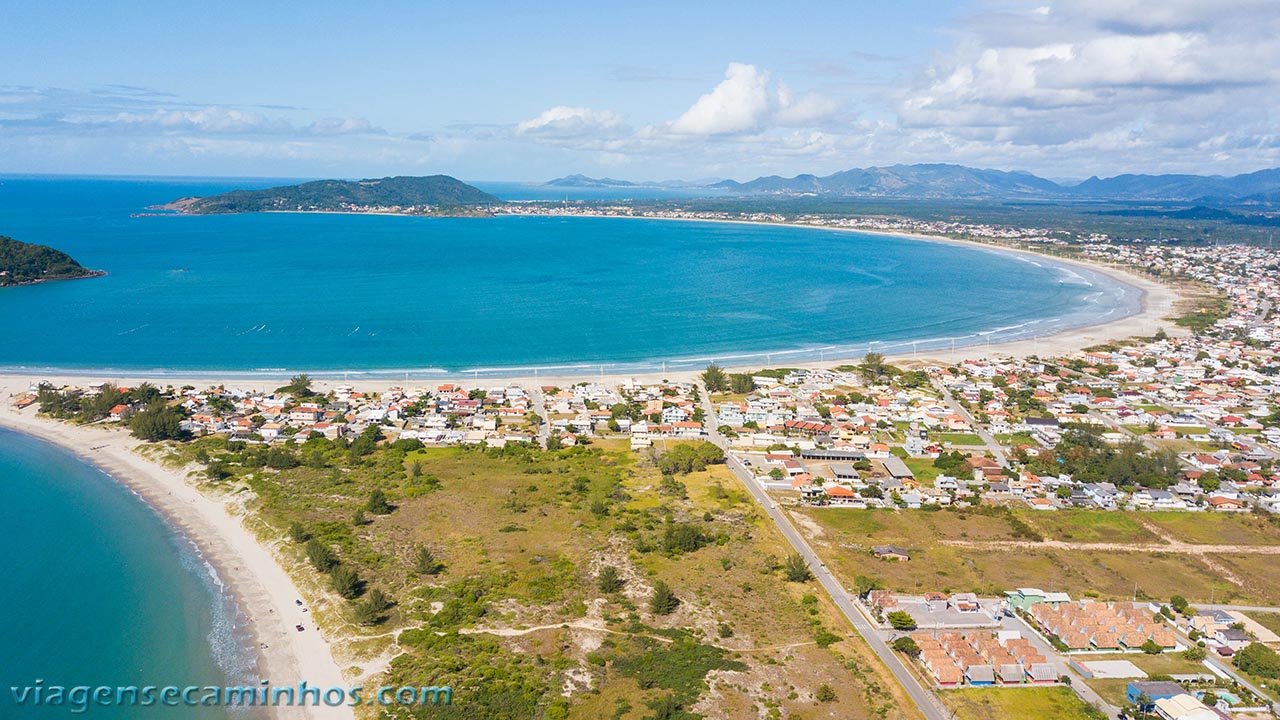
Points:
x=656, y=90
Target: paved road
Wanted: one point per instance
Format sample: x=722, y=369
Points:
x=996, y=451
x=924, y=699
x=540, y=407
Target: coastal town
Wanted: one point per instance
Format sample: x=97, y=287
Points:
x=1182, y=421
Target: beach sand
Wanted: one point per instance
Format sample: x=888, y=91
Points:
x=264, y=591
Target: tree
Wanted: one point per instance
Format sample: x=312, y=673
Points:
x=1179, y=603
x=715, y=378
x=901, y=620
x=346, y=582
x=378, y=504
x=1194, y=654
x=425, y=562
x=741, y=383
x=796, y=569
x=825, y=694
x=872, y=366
x=158, y=421
x=609, y=581
x=1258, y=659
x=863, y=585
x=907, y=646
x=690, y=457
x=681, y=538
x=359, y=518
x=663, y=601
x=321, y=556
x=299, y=386
x=298, y=533
x=1150, y=647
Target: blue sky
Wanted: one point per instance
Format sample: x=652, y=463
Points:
x=530, y=91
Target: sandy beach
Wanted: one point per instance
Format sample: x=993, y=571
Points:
x=262, y=588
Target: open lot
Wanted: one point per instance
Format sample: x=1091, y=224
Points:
x=1089, y=526
x=844, y=537
x=1041, y=703
x=1218, y=528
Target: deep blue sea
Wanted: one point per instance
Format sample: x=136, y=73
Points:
x=98, y=590
x=277, y=293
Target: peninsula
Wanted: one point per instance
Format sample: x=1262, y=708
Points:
x=24, y=263
x=406, y=195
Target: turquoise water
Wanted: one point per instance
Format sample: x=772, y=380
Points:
x=284, y=292
x=99, y=590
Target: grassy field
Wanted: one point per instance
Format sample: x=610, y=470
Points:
x=1113, y=691
x=516, y=618
x=1088, y=526
x=1268, y=620
x=1041, y=703
x=1218, y=528
x=959, y=438
x=844, y=538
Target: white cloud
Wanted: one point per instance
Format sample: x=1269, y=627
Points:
x=740, y=103
x=745, y=102
x=564, y=122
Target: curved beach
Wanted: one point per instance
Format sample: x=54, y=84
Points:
x=263, y=589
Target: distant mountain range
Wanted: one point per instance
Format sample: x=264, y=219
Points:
x=582, y=181
x=437, y=191
x=943, y=181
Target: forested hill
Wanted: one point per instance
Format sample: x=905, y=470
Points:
x=22, y=263
x=390, y=194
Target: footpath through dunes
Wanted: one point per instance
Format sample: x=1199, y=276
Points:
x=266, y=593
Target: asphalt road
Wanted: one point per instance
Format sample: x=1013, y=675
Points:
x=994, y=447
x=924, y=698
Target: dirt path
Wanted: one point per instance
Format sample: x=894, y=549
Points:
x=593, y=627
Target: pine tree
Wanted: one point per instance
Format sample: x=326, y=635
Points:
x=663, y=601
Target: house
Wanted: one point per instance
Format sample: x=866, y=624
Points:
x=1184, y=707
x=890, y=552
x=980, y=675
x=1153, y=689
x=1042, y=673
x=840, y=495
x=1234, y=638
x=1227, y=504
x=897, y=469
x=843, y=471
x=119, y=413
x=1024, y=598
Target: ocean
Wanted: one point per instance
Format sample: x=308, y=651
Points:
x=279, y=293
x=101, y=591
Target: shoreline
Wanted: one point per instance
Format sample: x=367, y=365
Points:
x=260, y=587
x=1157, y=304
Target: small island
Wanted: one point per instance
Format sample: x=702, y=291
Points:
x=24, y=263
x=402, y=195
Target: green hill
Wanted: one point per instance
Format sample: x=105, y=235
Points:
x=393, y=194
x=22, y=263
